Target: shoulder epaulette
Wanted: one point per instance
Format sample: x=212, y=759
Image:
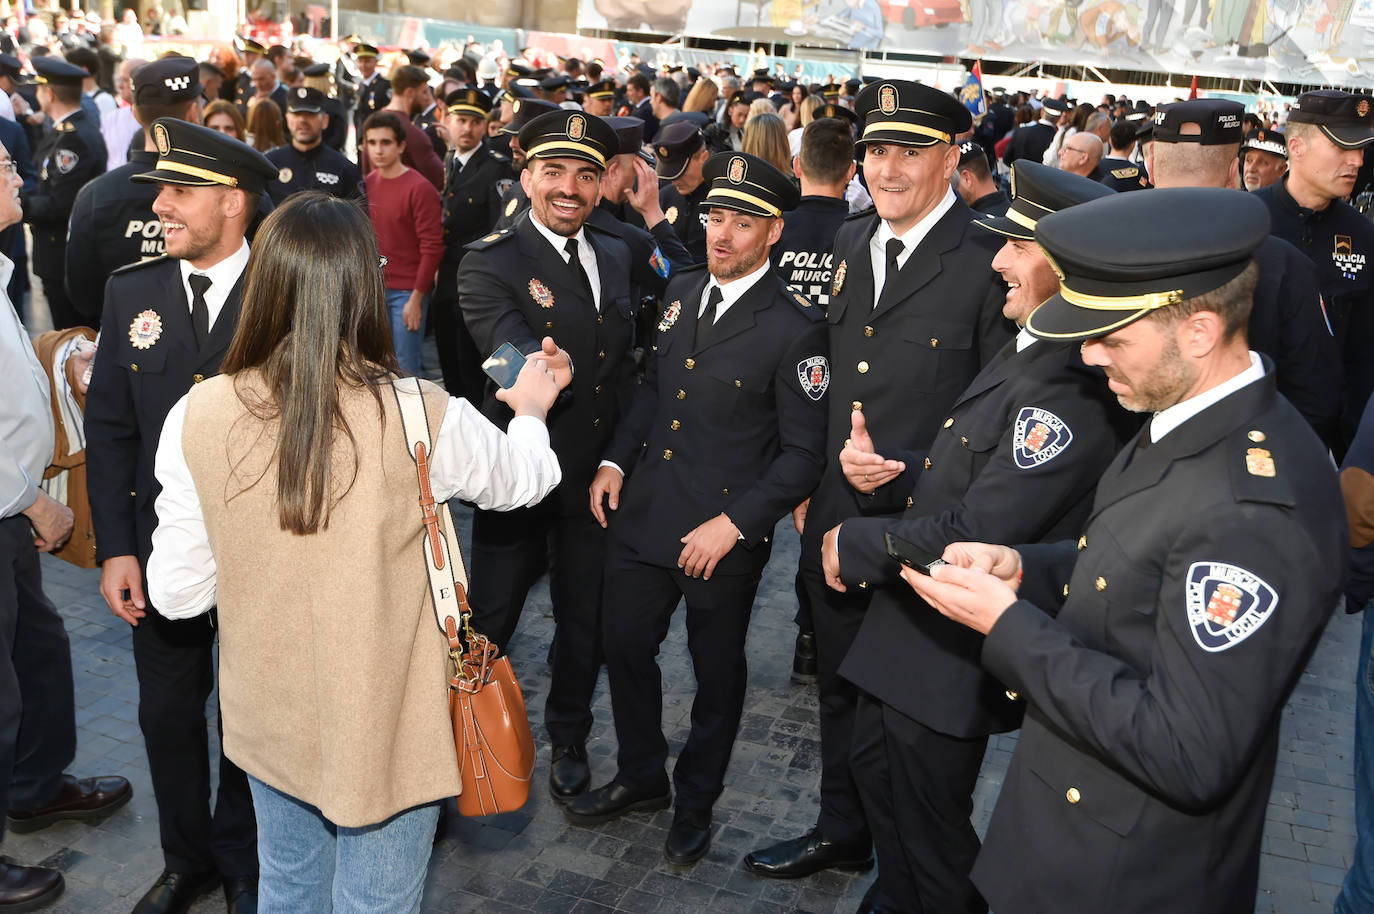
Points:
x=1124, y=173
x=1259, y=470
x=141, y=264
x=487, y=241
x=795, y=295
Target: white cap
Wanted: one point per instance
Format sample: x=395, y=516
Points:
x=487, y=69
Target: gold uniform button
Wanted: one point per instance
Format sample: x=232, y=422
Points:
x=600, y=319
x=934, y=343
x=928, y=464
x=1011, y=696
x=739, y=383
x=1100, y=584
x=869, y=331
x=724, y=491
x=1082, y=543
x=133, y=494
x=133, y=366
x=910, y=502
x=1072, y=795
x=1255, y=435
x=596, y=391
x=667, y=454
x=863, y=585
x=690, y=364
x=857, y=406
x=1066, y=590
x=596, y=423
x=601, y=354
x=949, y=422
x=197, y=378
x=863, y=368
x=548, y=325
x=682, y=394
x=675, y=425
x=963, y=439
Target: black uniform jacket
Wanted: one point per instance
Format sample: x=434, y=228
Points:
x=1122, y=174
x=1016, y=460
x=516, y=288
x=514, y=203
x=472, y=205
x=319, y=168
x=656, y=254
x=735, y=426
x=803, y=253
x=687, y=217
x=132, y=391
x=1204, y=576
x=905, y=362
x=369, y=98
x=993, y=204
x=1029, y=142
x=70, y=155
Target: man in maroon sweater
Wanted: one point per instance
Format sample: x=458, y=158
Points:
x=407, y=217
x=406, y=89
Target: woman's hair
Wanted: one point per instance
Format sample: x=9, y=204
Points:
x=313, y=318
x=266, y=125
x=808, y=109
x=765, y=136
x=702, y=97
x=220, y=106
x=1081, y=115
x=762, y=106
x=1025, y=114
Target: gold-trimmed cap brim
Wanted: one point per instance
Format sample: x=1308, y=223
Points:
x=556, y=149
x=187, y=175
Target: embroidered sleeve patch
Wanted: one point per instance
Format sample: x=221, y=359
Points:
x=814, y=374
x=1226, y=604
x=1038, y=437
x=659, y=263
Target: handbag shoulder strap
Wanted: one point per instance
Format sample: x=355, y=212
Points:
x=448, y=578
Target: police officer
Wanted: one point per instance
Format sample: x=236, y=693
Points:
x=599, y=99
x=250, y=52
x=975, y=184
x=680, y=152
x=168, y=324
x=915, y=311
x=514, y=200
x=336, y=127
x=723, y=438
x=1264, y=158
x=1016, y=460
x=307, y=162
x=1190, y=603
x=1327, y=133
x=555, y=275
x=1195, y=145
x=374, y=89
x=346, y=78
x=1117, y=170
x=1031, y=140
x=474, y=180
x=71, y=153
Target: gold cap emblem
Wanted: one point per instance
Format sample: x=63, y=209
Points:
x=735, y=173
x=164, y=144
x=887, y=99
x=577, y=127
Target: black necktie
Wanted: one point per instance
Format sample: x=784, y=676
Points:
x=575, y=264
x=200, y=312
x=894, y=250
x=706, y=323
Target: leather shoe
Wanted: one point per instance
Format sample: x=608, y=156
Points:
x=174, y=893
x=87, y=798
x=804, y=659
x=809, y=854
x=687, y=842
x=873, y=901
x=606, y=803
x=569, y=774
x=23, y=888
x=241, y=894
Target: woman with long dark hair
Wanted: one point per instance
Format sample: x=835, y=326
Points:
x=289, y=502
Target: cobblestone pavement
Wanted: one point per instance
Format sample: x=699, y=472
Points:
x=534, y=861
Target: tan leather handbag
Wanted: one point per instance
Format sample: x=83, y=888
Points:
x=490, y=727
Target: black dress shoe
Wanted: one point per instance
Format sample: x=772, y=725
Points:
x=687, y=842
x=569, y=774
x=606, y=803
x=241, y=894
x=23, y=888
x=804, y=659
x=873, y=901
x=809, y=854
x=87, y=798
x=174, y=893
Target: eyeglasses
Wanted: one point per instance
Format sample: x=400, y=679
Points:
x=8, y=168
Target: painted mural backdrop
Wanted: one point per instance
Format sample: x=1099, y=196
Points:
x=1311, y=41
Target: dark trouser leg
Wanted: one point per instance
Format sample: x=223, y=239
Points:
x=718, y=613
x=37, y=711
x=175, y=676
x=234, y=831
x=803, y=616
x=458, y=358
x=509, y=550
x=55, y=291
x=836, y=618
x=575, y=577
x=639, y=604
x=917, y=787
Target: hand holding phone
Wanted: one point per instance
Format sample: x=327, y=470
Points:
x=503, y=366
x=911, y=555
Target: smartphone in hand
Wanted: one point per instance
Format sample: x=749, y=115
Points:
x=911, y=555
x=503, y=366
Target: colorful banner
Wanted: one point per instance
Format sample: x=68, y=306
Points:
x=1304, y=41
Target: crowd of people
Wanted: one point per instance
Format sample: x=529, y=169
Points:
x=1060, y=455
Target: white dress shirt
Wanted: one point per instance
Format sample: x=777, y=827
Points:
x=222, y=275
x=464, y=157
x=1166, y=420
x=1024, y=339
x=472, y=460
x=26, y=423
x=731, y=291
x=877, y=245
x=585, y=253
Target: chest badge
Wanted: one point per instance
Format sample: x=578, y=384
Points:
x=541, y=294
x=670, y=315
x=145, y=329
x=1038, y=437
x=814, y=375
x=671, y=215
x=1259, y=462
x=840, y=272
x=1226, y=604
x=284, y=176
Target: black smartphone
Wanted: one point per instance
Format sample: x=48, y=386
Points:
x=911, y=555
x=504, y=365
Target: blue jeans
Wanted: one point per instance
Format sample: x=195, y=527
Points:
x=309, y=865
x=409, y=343
x=1357, y=894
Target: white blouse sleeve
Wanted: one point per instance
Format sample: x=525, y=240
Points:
x=475, y=461
x=181, y=570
